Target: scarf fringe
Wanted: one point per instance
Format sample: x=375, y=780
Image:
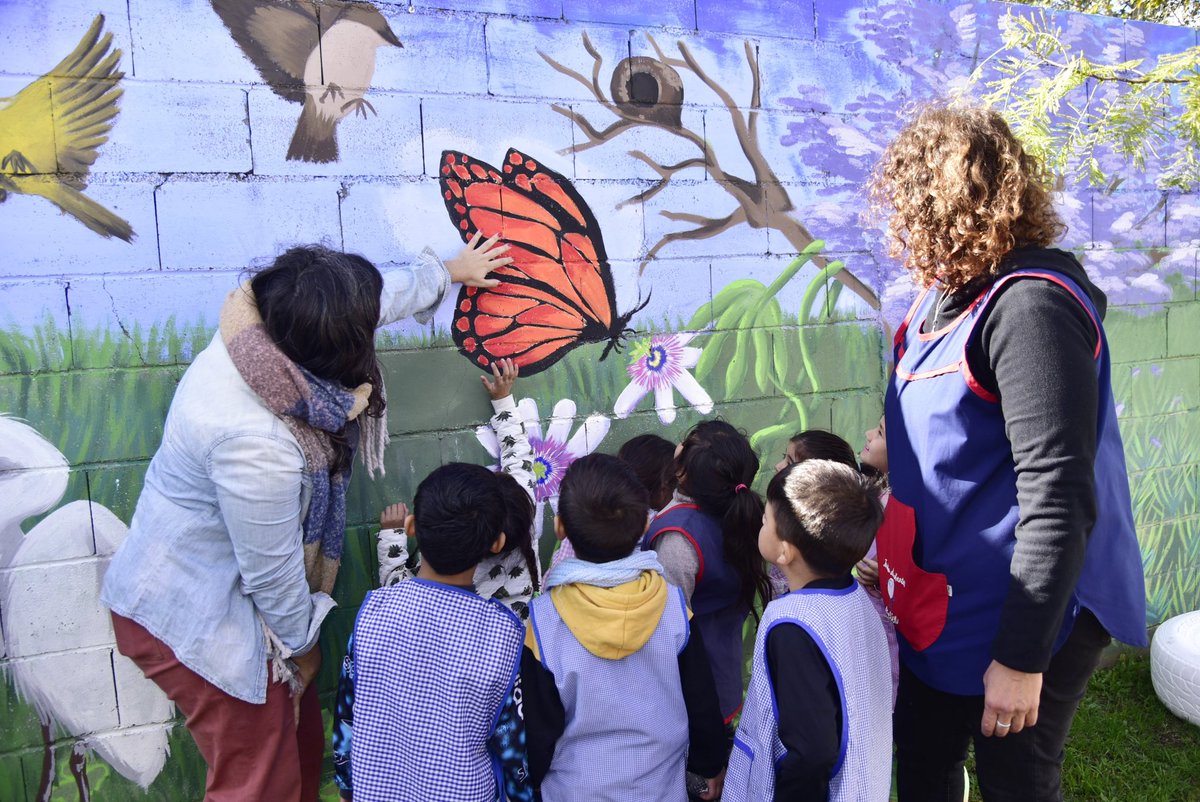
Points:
x=280, y=657
x=375, y=438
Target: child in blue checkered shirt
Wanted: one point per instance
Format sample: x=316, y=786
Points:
x=429, y=697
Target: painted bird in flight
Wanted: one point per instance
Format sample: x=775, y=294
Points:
x=50, y=130
x=321, y=55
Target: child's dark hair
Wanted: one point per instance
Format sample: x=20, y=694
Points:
x=603, y=508
x=653, y=460
x=459, y=511
x=820, y=444
x=715, y=468
x=518, y=521
x=828, y=510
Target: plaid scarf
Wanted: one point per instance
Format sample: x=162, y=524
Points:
x=313, y=410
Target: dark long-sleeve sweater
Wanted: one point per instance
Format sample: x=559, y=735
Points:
x=1035, y=351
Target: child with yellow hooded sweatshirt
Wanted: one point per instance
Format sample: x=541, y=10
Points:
x=619, y=697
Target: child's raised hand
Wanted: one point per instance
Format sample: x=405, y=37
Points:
x=868, y=574
x=393, y=516
x=505, y=373
x=476, y=260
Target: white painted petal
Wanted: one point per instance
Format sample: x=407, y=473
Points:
x=664, y=402
x=695, y=395
x=587, y=437
x=560, y=422
x=629, y=398
x=529, y=413
x=690, y=357
x=684, y=337
x=487, y=438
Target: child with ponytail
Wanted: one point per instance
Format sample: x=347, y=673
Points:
x=707, y=543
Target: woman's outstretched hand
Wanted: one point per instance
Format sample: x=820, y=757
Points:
x=476, y=260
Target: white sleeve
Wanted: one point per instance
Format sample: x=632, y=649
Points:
x=516, y=455
x=413, y=290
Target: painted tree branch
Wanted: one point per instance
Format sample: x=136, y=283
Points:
x=762, y=202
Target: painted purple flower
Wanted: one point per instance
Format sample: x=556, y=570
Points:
x=554, y=452
x=660, y=364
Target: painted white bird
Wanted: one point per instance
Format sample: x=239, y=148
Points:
x=58, y=640
x=318, y=54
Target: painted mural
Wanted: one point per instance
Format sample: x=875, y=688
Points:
x=682, y=185
x=50, y=131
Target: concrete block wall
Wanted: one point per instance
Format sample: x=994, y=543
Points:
x=97, y=331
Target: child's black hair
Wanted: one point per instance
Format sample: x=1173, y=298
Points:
x=518, y=523
x=603, y=508
x=820, y=444
x=715, y=467
x=459, y=511
x=653, y=460
x=828, y=510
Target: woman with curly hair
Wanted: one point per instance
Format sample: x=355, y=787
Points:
x=1002, y=438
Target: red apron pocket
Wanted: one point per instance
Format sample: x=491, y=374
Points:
x=915, y=599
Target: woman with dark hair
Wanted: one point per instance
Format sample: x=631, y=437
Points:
x=220, y=588
x=1002, y=439
x=707, y=542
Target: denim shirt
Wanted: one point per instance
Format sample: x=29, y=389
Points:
x=215, y=540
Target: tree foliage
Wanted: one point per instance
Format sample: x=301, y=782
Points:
x=1089, y=119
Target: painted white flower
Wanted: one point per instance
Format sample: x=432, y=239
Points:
x=661, y=363
x=552, y=453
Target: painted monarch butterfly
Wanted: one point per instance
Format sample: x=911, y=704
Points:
x=558, y=292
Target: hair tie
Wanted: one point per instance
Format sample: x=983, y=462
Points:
x=741, y=488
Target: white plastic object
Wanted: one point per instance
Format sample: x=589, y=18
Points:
x=1175, y=665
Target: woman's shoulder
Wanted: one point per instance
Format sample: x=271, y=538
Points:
x=213, y=404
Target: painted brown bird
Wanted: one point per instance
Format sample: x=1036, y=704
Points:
x=319, y=54
x=51, y=129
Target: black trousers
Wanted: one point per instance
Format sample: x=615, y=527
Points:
x=933, y=730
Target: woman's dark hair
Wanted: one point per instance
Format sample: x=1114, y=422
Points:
x=715, y=468
x=602, y=505
x=820, y=444
x=459, y=511
x=321, y=307
x=653, y=460
x=518, y=521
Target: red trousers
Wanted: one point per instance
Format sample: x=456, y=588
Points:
x=254, y=752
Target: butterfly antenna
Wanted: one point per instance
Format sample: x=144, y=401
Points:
x=622, y=330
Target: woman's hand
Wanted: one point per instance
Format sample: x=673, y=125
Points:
x=307, y=666
x=476, y=260
x=1010, y=700
x=505, y=372
x=393, y=516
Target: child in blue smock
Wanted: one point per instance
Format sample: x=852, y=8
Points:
x=428, y=700
x=816, y=723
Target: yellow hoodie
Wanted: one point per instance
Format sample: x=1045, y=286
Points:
x=609, y=622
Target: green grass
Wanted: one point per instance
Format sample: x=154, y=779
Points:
x=1125, y=745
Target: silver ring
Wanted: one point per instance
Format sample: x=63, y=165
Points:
x=1004, y=726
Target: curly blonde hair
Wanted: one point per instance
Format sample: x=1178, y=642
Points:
x=962, y=193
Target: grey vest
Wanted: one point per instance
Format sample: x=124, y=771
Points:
x=626, y=734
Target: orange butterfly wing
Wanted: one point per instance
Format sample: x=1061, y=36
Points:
x=558, y=293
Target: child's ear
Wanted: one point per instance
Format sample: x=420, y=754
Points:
x=410, y=525
x=787, y=553
x=498, y=543
x=560, y=531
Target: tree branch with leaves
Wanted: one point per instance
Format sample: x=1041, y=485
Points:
x=1069, y=109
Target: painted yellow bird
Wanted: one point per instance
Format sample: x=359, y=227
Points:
x=51, y=129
